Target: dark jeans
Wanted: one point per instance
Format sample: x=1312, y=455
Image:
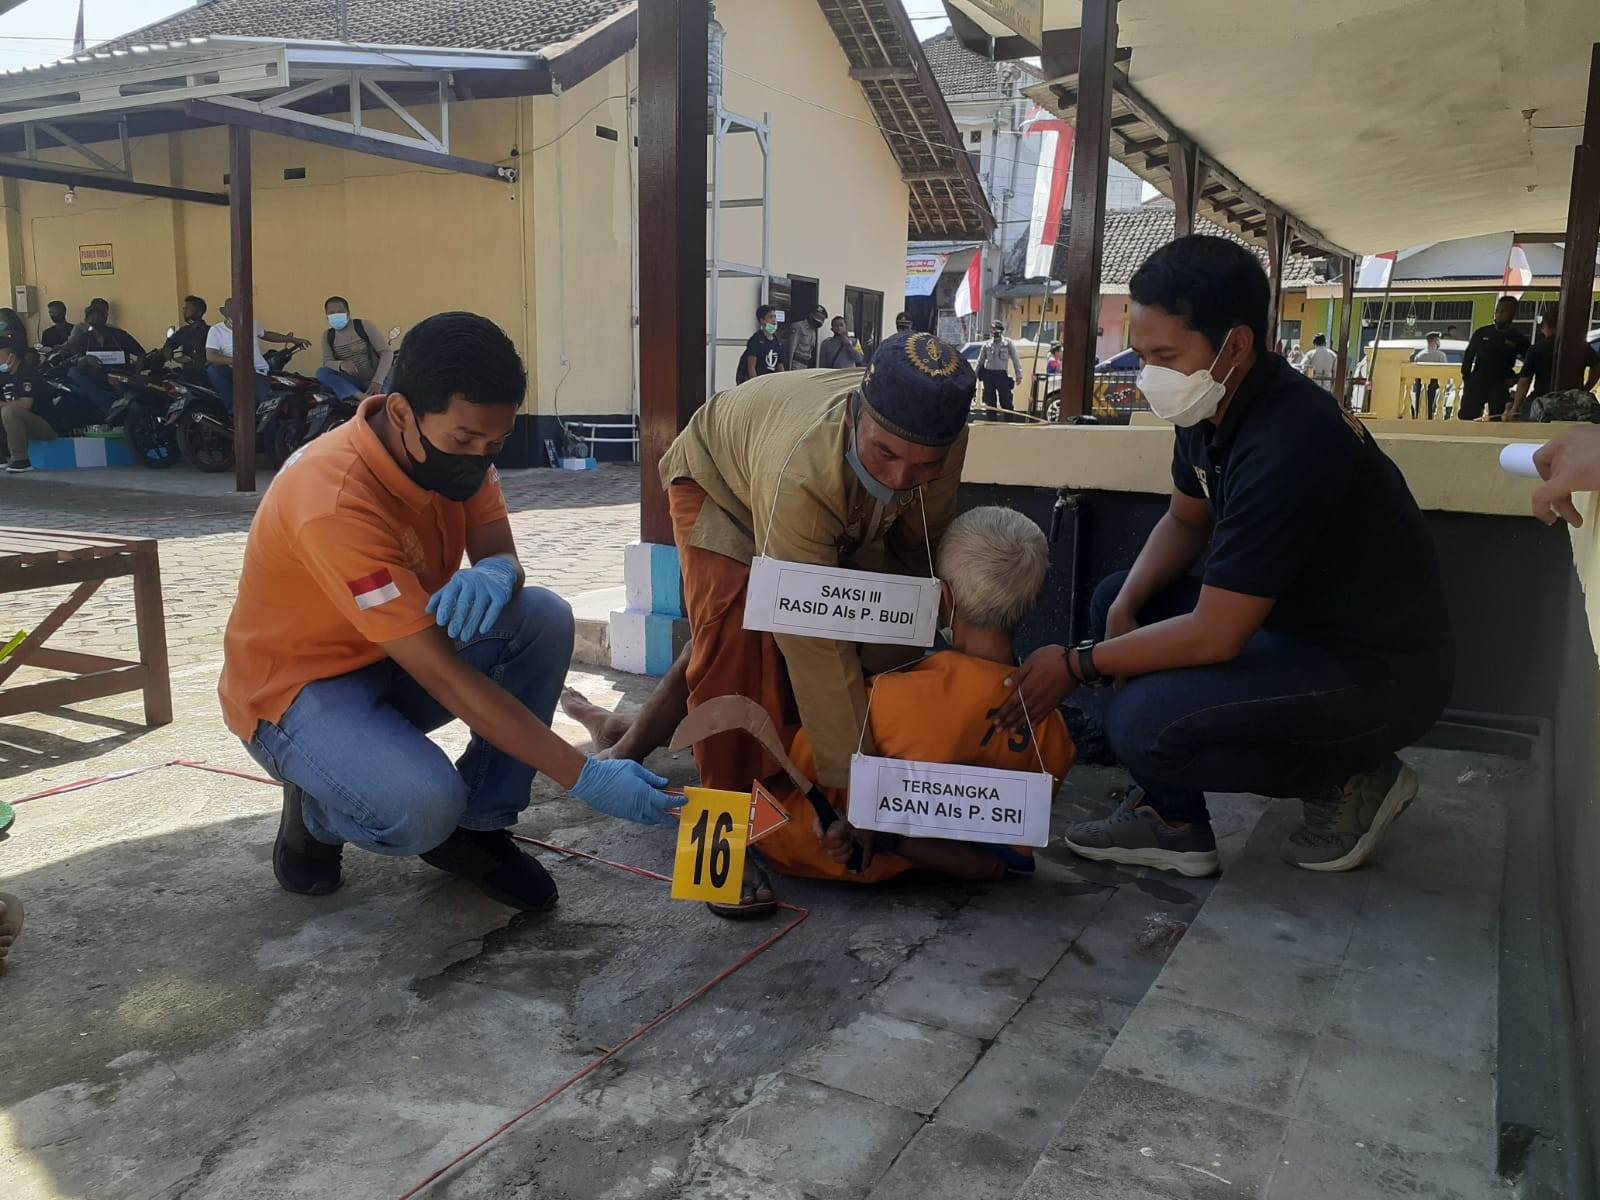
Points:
x=1476, y=396
x=997, y=387
x=221, y=379
x=1288, y=717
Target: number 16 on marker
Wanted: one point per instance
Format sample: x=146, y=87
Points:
x=712, y=829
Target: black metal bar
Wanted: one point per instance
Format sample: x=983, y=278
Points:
x=244, y=309
x=241, y=118
x=69, y=177
x=1091, y=152
x=673, y=40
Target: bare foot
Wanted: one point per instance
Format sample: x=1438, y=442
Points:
x=606, y=729
x=10, y=924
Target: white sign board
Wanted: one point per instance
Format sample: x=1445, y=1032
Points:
x=111, y=358
x=922, y=273
x=943, y=800
x=848, y=606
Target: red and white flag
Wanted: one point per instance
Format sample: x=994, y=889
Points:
x=1518, y=275
x=1049, y=191
x=970, y=294
x=375, y=589
x=1375, y=271
x=78, y=44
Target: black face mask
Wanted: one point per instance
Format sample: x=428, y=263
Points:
x=454, y=476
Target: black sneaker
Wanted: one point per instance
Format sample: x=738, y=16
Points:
x=301, y=863
x=18, y=466
x=490, y=859
x=1137, y=836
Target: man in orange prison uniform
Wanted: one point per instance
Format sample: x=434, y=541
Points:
x=357, y=631
x=992, y=563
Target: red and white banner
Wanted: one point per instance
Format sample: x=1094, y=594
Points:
x=1049, y=191
x=1375, y=271
x=375, y=589
x=970, y=294
x=1518, y=275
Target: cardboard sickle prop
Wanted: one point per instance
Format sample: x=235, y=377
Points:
x=729, y=714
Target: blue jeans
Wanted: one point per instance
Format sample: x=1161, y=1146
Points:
x=357, y=744
x=341, y=384
x=222, y=383
x=1288, y=717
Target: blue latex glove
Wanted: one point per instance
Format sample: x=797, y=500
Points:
x=624, y=789
x=470, y=604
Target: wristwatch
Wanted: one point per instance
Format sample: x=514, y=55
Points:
x=1090, y=677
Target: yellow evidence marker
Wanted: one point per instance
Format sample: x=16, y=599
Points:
x=712, y=830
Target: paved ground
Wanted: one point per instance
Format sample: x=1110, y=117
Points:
x=177, y=1026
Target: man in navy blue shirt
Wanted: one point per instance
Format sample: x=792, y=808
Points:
x=1314, y=641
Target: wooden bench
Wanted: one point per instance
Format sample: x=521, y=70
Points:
x=43, y=558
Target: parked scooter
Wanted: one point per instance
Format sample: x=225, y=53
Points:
x=141, y=410
x=329, y=411
x=202, y=421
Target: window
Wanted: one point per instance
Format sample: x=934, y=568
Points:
x=976, y=137
x=1418, y=318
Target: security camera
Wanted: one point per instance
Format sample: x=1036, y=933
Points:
x=72, y=195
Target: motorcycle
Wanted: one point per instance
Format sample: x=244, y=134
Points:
x=202, y=421
x=142, y=407
x=327, y=410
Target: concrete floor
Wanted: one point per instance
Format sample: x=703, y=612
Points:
x=174, y=1025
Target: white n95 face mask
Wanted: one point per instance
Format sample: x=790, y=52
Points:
x=1184, y=399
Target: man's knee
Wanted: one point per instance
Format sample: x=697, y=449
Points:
x=417, y=817
x=539, y=612
x=1105, y=595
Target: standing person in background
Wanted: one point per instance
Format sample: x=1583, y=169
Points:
x=763, y=353
x=804, y=339
x=356, y=356
x=999, y=369
x=219, y=353
x=59, y=330
x=902, y=322
x=1320, y=363
x=1489, y=366
x=1538, y=368
x=839, y=352
x=1433, y=354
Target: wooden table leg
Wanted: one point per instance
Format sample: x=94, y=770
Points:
x=152, y=625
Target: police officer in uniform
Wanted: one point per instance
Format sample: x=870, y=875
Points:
x=1489, y=366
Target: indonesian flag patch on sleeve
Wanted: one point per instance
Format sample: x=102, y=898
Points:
x=375, y=589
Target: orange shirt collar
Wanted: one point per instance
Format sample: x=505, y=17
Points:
x=382, y=464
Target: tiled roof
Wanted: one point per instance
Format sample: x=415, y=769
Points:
x=958, y=70
x=1131, y=235
x=452, y=24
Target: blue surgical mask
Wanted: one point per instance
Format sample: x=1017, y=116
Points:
x=880, y=492
x=338, y=320
x=5, y=368
x=5, y=324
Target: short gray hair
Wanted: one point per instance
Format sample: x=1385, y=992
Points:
x=994, y=560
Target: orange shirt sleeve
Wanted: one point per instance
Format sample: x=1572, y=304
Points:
x=488, y=504
x=357, y=566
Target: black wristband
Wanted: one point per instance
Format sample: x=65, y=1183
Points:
x=1066, y=655
x=1091, y=674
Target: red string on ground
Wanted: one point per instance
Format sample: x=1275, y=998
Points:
x=804, y=913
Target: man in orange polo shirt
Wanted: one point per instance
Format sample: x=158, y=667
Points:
x=357, y=631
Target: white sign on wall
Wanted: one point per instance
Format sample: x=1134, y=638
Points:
x=944, y=800
x=838, y=603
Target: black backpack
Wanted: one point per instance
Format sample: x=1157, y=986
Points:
x=361, y=331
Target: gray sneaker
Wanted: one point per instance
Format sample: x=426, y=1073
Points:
x=1137, y=836
x=1344, y=825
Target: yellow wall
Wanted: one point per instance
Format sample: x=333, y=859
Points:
x=839, y=206
x=548, y=258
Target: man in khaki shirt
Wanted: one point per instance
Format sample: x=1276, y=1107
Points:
x=824, y=468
